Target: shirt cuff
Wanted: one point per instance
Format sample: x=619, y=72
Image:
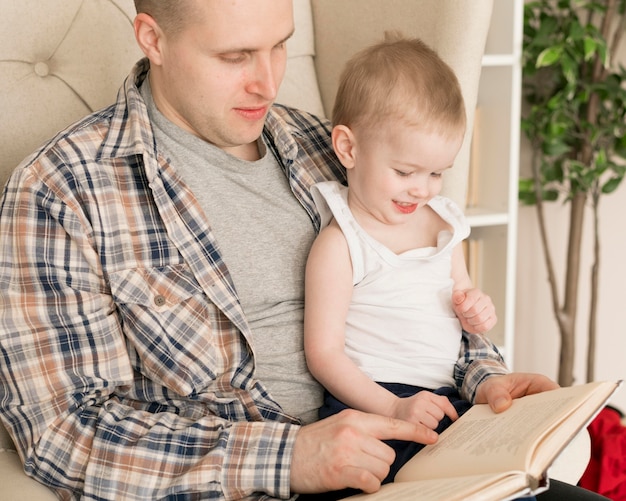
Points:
x=258, y=460
x=477, y=372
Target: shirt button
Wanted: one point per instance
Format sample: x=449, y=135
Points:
x=159, y=300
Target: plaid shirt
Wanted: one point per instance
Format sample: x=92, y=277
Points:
x=127, y=367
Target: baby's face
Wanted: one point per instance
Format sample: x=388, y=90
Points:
x=396, y=172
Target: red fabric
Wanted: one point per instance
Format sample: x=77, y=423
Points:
x=606, y=472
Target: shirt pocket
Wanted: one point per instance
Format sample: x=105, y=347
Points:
x=165, y=317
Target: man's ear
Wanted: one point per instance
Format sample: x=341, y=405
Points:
x=149, y=36
x=344, y=144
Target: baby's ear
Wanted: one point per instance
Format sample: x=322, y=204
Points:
x=344, y=144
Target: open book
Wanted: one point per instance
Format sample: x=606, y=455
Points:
x=487, y=456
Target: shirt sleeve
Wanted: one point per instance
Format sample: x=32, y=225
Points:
x=478, y=359
x=87, y=423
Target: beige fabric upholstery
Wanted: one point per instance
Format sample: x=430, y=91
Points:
x=60, y=59
x=15, y=486
x=299, y=88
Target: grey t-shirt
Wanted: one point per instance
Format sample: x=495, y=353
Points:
x=264, y=235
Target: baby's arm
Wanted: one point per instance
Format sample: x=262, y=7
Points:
x=472, y=306
x=328, y=292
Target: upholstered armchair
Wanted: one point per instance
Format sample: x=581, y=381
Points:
x=61, y=59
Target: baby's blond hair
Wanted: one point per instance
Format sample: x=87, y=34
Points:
x=399, y=79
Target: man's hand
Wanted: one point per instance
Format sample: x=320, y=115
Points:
x=499, y=391
x=345, y=450
x=475, y=310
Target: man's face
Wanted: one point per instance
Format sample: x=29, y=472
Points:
x=218, y=77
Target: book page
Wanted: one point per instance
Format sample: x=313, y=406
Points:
x=474, y=488
x=564, y=433
x=485, y=442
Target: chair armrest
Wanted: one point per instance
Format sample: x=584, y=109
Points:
x=572, y=462
x=16, y=484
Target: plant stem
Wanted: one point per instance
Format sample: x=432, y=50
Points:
x=593, y=303
x=570, y=299
x=565, y=316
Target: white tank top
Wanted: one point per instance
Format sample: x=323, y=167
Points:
x=400, y=326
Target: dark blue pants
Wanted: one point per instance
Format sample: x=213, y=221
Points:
x=404, y=450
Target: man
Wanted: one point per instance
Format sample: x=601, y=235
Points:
x=151, y=266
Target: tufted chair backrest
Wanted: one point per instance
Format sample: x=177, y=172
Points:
x=59, y=60
x=62, y=59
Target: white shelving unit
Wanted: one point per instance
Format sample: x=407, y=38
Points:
x=492, y=200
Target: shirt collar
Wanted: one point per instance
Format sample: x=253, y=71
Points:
x=130, y=132
x=282, y=136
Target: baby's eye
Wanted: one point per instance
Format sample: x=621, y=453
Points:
x=435, y=174
x=402, y=173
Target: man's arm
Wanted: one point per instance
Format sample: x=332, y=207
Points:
x=88, y=413
x=474, y=373
x=478, y=360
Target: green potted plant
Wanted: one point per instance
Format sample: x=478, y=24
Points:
x=574, y=117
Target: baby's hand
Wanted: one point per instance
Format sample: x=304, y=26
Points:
x=475, y=310
x=424, y=408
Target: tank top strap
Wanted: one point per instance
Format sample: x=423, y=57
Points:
x=331, y=199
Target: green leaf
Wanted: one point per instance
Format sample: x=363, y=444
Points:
x=604, y=55
x=570, y=69
x=527, y=198
x=556, y=147
x=601, y=159
x=550, y=195
x=526, y=184
x=564, y=4
x=620, y=146
x=526, y=191
x=549, y=56
x=611, y=185
x=576, y=33
x=590, y=48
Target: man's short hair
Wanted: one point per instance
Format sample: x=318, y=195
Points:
x=171, y=15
